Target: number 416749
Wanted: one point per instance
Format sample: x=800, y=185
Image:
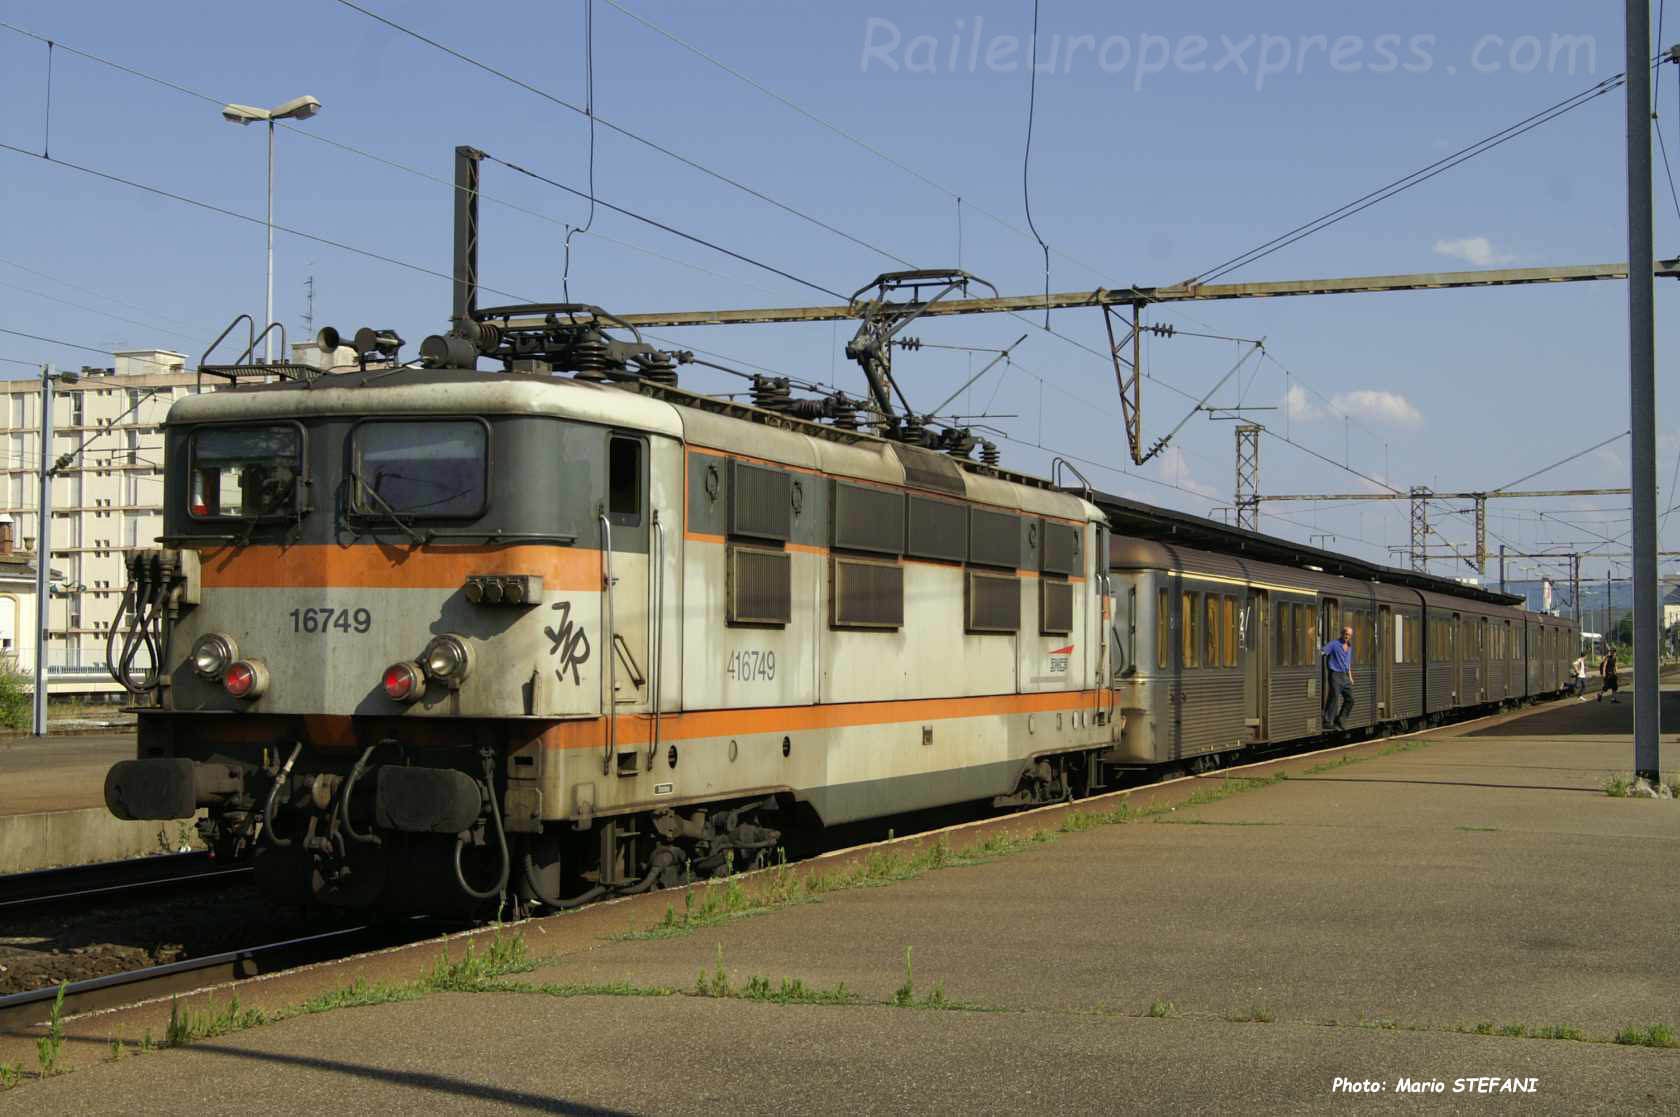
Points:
x=325, y=620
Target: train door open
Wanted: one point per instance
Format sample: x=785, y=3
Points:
x=1257, y=664
x=1329, y=628
x=1382, y=662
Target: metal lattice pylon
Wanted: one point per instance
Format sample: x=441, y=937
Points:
x=1248, y=476
x=1420, y=527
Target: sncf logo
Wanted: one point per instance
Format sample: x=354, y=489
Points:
x=1059, y=659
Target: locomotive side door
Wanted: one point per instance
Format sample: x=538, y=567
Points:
x=1256, y=663
x=628, y=543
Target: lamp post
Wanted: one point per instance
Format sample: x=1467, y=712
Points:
x=43, y=543
x=298, y=108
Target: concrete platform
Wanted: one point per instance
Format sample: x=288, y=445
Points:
x=1357, y=921
x=52, y=805
x=58, y=773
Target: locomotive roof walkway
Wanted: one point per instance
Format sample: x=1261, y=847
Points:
x=1361, y=919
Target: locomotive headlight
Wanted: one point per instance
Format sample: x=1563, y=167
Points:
x=448, y=658
x=246, y=678
x=213, y=653
x=403, y=682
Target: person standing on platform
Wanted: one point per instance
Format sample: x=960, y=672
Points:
x=1579, y=670
x=1338, y=657
x=1608, y=667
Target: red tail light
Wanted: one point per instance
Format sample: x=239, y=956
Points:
x=247, y=678
x=403, y=682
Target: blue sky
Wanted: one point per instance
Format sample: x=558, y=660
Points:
x=1153, y=159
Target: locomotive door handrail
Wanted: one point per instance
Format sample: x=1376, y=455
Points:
x=610, y=704
x=656, y=611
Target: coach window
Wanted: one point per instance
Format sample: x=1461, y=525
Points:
x=1285, y=628
x=1228, y=631
x=624, y=481
x=1163, y=642
x=1210, y=644
x=1189, y=614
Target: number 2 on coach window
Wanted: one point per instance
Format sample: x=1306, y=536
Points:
x=324, y=621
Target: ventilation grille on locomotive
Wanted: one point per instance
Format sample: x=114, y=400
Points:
x=938, y=530
x=760, y=502
x=994, y=602
x=868, y=594
x=1060, y=552
x=868, y=519
x=760, y=586
x=994, y=538
x=1055, y=607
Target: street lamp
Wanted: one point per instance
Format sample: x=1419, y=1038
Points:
x=298, y=108
x=43, y=542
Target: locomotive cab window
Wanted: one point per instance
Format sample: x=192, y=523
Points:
x=430, y=468
x=246, y=472
x=624, y=481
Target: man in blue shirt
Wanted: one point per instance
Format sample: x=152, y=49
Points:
x=1338, y=699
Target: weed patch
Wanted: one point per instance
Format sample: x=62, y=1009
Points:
x=1657, y=1035
x=1161, y=1010
x=10, y=1075
x=50, y=1046
x=189, y=1025
x=1252, y=1016
x=1618, y=786
x=1479, y=829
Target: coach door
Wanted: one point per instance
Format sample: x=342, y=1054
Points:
x=1382, y=662
x=1481, y=659
x=1257, y=663
x=1329, y=628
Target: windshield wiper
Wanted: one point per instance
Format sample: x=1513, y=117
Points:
x=391, y=513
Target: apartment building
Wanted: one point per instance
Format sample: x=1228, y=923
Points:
x=109, y=499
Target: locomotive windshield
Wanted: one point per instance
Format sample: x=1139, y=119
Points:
x=430, y=468
x=246, y=472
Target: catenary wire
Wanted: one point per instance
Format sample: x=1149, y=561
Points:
x=315, y=137
x=1026, y=156
x=1415, y=178
x=618, y=129
x=962, y=199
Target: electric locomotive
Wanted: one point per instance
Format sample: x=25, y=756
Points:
x=430, y=638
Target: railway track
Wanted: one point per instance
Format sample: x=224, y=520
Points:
x=21, y=1011
x=111, y=881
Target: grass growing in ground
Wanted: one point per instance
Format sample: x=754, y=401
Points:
x=1657, y=1035
x=190, y=1025
x=10, y=1075
x=1618, y=786
x=1479, y=829
x=1254, y=1015
x=720, y=901
x=1160, y=1010
x=50, y=1046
